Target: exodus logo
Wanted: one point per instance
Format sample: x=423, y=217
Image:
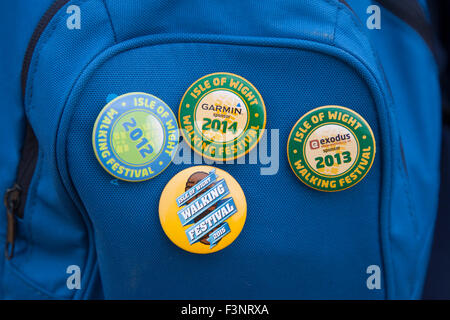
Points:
x=315, y=144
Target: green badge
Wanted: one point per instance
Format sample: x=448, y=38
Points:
x=331, y=148
x=222, y=116
x=135, y=137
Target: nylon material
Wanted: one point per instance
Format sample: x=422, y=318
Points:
x=306, y=236
x=413, y=106
x=421, y=142
x=284, y=19
x=57, y=43
x=355, y=41
x=415, y=89
x=390, y=161
x=12, y=127
x=54, y=240
x=263, y=231
x=57, y=235
x=16, y=287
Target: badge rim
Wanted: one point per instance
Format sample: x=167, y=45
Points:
x=188, y=141
x=98, y=119
x=338, y=107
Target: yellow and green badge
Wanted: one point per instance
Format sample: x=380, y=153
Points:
x=222, y=116
x=135, y=136
x=331, y=148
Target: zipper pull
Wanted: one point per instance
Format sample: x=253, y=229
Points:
x=12, y=202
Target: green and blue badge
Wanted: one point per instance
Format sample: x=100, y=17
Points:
x=135, y=136
x=331, y=148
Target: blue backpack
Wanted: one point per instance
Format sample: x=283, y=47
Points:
x=62, y=209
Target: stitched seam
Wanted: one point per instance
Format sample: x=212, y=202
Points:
x=28, y=217
x=338, y=11
x=33, y=203
x=408, y=197
x=110, y=21
x=383, y=246
x=49, y=33
x=28, y=282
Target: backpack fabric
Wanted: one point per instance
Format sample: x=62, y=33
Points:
x=297, y=243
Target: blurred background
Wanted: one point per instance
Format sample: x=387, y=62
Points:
x=437, y=285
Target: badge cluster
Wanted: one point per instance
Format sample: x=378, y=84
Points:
x=222, y=117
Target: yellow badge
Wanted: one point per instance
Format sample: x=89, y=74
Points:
x=202, y=209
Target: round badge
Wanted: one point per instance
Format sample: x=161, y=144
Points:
x=202, y=209
x=222, y=116
x=135, y=136
x=331, y=148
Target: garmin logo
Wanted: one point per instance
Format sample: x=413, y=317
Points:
x=217, y=108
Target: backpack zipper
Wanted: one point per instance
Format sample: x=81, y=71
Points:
x=12, y=202
x=15, y=197
x=42, y=24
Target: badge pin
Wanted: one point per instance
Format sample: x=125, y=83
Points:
x=222, y=116
x=202, y=209
x=135, y=137
x=331, y=148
